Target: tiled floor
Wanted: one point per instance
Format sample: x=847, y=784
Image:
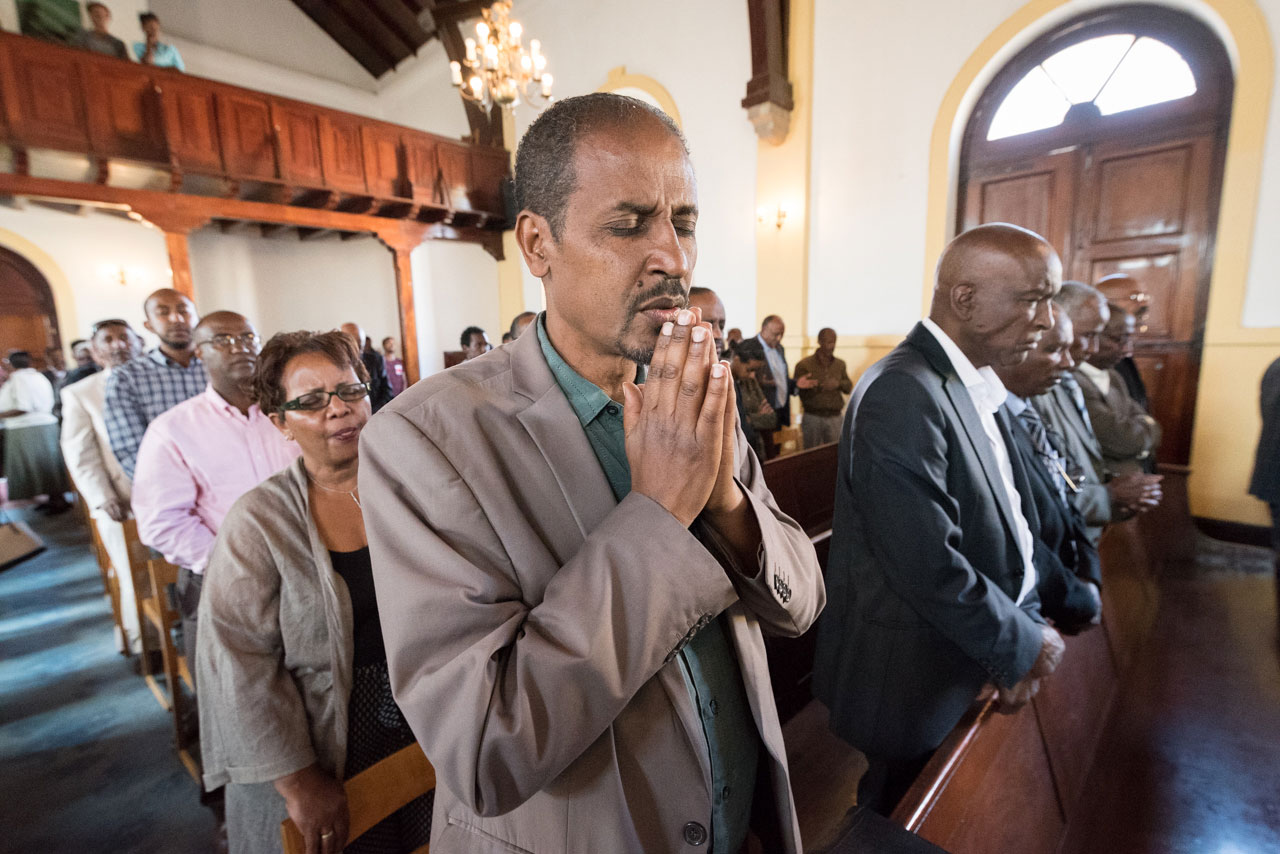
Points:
x=86, y=762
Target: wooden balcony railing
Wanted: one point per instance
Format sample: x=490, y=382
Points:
x=256, y=146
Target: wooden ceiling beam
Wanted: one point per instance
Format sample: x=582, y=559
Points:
x=347, y=38
x=401, y=19
x=359, y=17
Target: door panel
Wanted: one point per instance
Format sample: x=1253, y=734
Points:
x=1143, y=209
x=1038, y=194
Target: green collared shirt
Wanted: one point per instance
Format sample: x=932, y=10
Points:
x=708, y=661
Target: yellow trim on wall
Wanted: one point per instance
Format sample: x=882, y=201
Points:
x=1220, y=470
x=63, y=300
x=620, y=78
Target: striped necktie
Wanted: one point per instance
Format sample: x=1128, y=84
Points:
x=1044, y=449
x=1077, y=397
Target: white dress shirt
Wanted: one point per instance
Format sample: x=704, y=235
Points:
x=29, y=391
x=988, y=393
x=1099, y=377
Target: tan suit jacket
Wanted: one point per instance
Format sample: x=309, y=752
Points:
x=532, y=621
x=85, y=446
x=1126, y=433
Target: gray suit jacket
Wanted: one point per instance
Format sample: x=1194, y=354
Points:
x=925, y=567
x=1126, y=433
x=1059, y=413
x=532, y=621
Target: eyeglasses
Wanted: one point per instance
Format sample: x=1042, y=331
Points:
x=247, y=340
x=317, y=400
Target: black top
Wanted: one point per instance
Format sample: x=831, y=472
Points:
x=356, y=570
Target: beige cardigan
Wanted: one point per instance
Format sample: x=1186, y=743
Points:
x=274, y=651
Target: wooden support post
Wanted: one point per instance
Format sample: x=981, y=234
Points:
x=402, y=238
x=180, y=262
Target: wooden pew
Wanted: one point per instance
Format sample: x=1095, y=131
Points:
x=804, y=485
x=1004, y=783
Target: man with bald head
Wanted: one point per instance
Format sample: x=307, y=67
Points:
x=931, y=583
x=143, y=388
x=1127, y=435
x=1067, y=563
x=199, y=457
x=379, y=383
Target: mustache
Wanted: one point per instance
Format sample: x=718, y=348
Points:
x=668, y=287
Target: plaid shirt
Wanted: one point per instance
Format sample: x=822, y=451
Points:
x=141, y=389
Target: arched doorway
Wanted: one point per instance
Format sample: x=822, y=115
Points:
x=28, y=317
x=1107, y=135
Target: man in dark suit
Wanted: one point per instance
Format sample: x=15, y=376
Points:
x=1069, y=570
x=379, y=384
x=931, y=585
x=776, y=376
x=1265, y=483
x=1126, y=292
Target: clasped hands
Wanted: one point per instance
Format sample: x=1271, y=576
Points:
x=1018, y=695
x=681, y=427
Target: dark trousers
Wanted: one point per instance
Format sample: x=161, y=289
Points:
x=887, y=780
x=187, y=596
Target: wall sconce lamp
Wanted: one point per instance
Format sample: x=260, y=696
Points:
x=777, y=216
x=118, y=274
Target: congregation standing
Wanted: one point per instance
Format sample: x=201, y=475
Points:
x=554, y=565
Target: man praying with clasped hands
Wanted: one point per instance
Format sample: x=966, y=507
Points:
x=574, y=561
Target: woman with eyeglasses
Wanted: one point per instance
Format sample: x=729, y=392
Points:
x=294, y=696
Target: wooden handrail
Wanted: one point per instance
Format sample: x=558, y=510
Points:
x=261, y=147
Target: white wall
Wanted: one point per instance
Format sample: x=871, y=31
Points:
x=455, y=285
x=89, y=250
x=1262, y=295
x=705, y=63
x=284, y=284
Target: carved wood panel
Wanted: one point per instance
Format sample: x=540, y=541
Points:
x=488, y=171
x=455, y=171
x=191, y=125
x=422, y=168
x=247, y=136
x=45, y=98
x=1141, y=194
x=1038, y=195
x=382, y=160
x=298, y=131
x=342, y=152
x=124, y=115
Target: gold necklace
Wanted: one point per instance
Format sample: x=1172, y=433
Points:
x=352, y=493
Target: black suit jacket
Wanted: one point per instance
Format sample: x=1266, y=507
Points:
x=379, y=385
x=1064, y=559
x=1266, y=465
x=924, y=568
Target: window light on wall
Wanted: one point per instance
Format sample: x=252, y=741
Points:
x=1114, y=73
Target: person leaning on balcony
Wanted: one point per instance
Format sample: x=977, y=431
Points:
x=98, y=39
x=153, y=51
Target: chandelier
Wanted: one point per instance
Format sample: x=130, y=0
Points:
x=498, y=70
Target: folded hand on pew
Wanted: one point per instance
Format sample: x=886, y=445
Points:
x=1135, y=491
x=1018, y=695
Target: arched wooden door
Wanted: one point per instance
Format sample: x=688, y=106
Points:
x=28, y=317
x=1135, y=191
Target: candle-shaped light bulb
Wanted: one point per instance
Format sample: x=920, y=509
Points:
x=535, y=48
x=471, y=50
x=490, y=55
x=477, y=85
x=482, y=31
x=455, y=73
x=547, y=80
x=526, y=64
x=516, y=31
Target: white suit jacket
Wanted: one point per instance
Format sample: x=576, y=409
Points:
x=85, y=446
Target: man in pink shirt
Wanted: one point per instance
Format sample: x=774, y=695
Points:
x=199, y=457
